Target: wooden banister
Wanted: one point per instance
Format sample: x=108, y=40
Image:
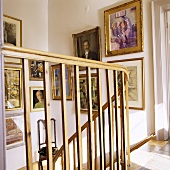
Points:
x=18, y=52
x=95, y=115
x=62, y=60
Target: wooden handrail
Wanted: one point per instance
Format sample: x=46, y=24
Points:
x=18, y=52
x=95, y=115
x=46, y=57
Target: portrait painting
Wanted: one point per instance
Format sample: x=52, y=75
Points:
x=13, y=91
x=123, y=29
x=87, y=44
x=136, y=92
x=56, y=91
x=36, y=70
x=83, y=92
x=14, y=131
x=37, y=99
x=12, y=31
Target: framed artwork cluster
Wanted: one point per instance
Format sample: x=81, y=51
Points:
x=13, y=84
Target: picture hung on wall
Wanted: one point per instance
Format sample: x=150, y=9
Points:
x=13, y=93
x=12, y=31
x=136, y=91
x=83, y=92
x=124, y=29
x=37, y=99
x=36, y=70
x=56, y=91
x=87, y=45
x=14, y=130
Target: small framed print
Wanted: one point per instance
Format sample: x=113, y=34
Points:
x=124, y=29
x=37, y=99
x=83, y=92
x=36, y=70
x=136, y=87
x=12, y=31
x=56, y=94
x=13, y=88
x=14, y=130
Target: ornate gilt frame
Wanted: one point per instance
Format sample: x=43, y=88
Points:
x=70, y=83
x=85, y=35
x=124, y=38
x=7, y=88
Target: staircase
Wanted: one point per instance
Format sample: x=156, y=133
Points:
x=114, y=114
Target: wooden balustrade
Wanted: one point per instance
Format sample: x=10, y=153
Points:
x=95, y=126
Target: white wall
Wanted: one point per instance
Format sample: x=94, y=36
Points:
x=34, y=16
x=49, y=26
x=66, y=19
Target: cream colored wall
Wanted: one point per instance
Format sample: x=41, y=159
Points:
x=49, y=26
x=66, y=19
x=34, y=16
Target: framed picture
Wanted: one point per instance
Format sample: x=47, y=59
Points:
x=12, y=31
x=136, y=81
x=87, y=44
x=56, y=94
x=14, y=130
x=37, y=99
x=36, y=70
x=13, y=88
x=83, y=92
x=124, y=29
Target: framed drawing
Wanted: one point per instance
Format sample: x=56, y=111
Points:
x=37, y=99
x=14, y=130
x=13, y=88
x=12, y=31
x=124, y=29
x=87, y=44
x=36, y=70
x=136, y=82
x=55, y=69
x=83, y=92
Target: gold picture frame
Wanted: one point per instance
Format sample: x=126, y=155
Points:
x=13, y=88
x=83, y=92
x=12, y=31
x=136, y=83
x=36, y=70
x=37, y=99
x=89, y=40
x=124, y=29
x=55, y=73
